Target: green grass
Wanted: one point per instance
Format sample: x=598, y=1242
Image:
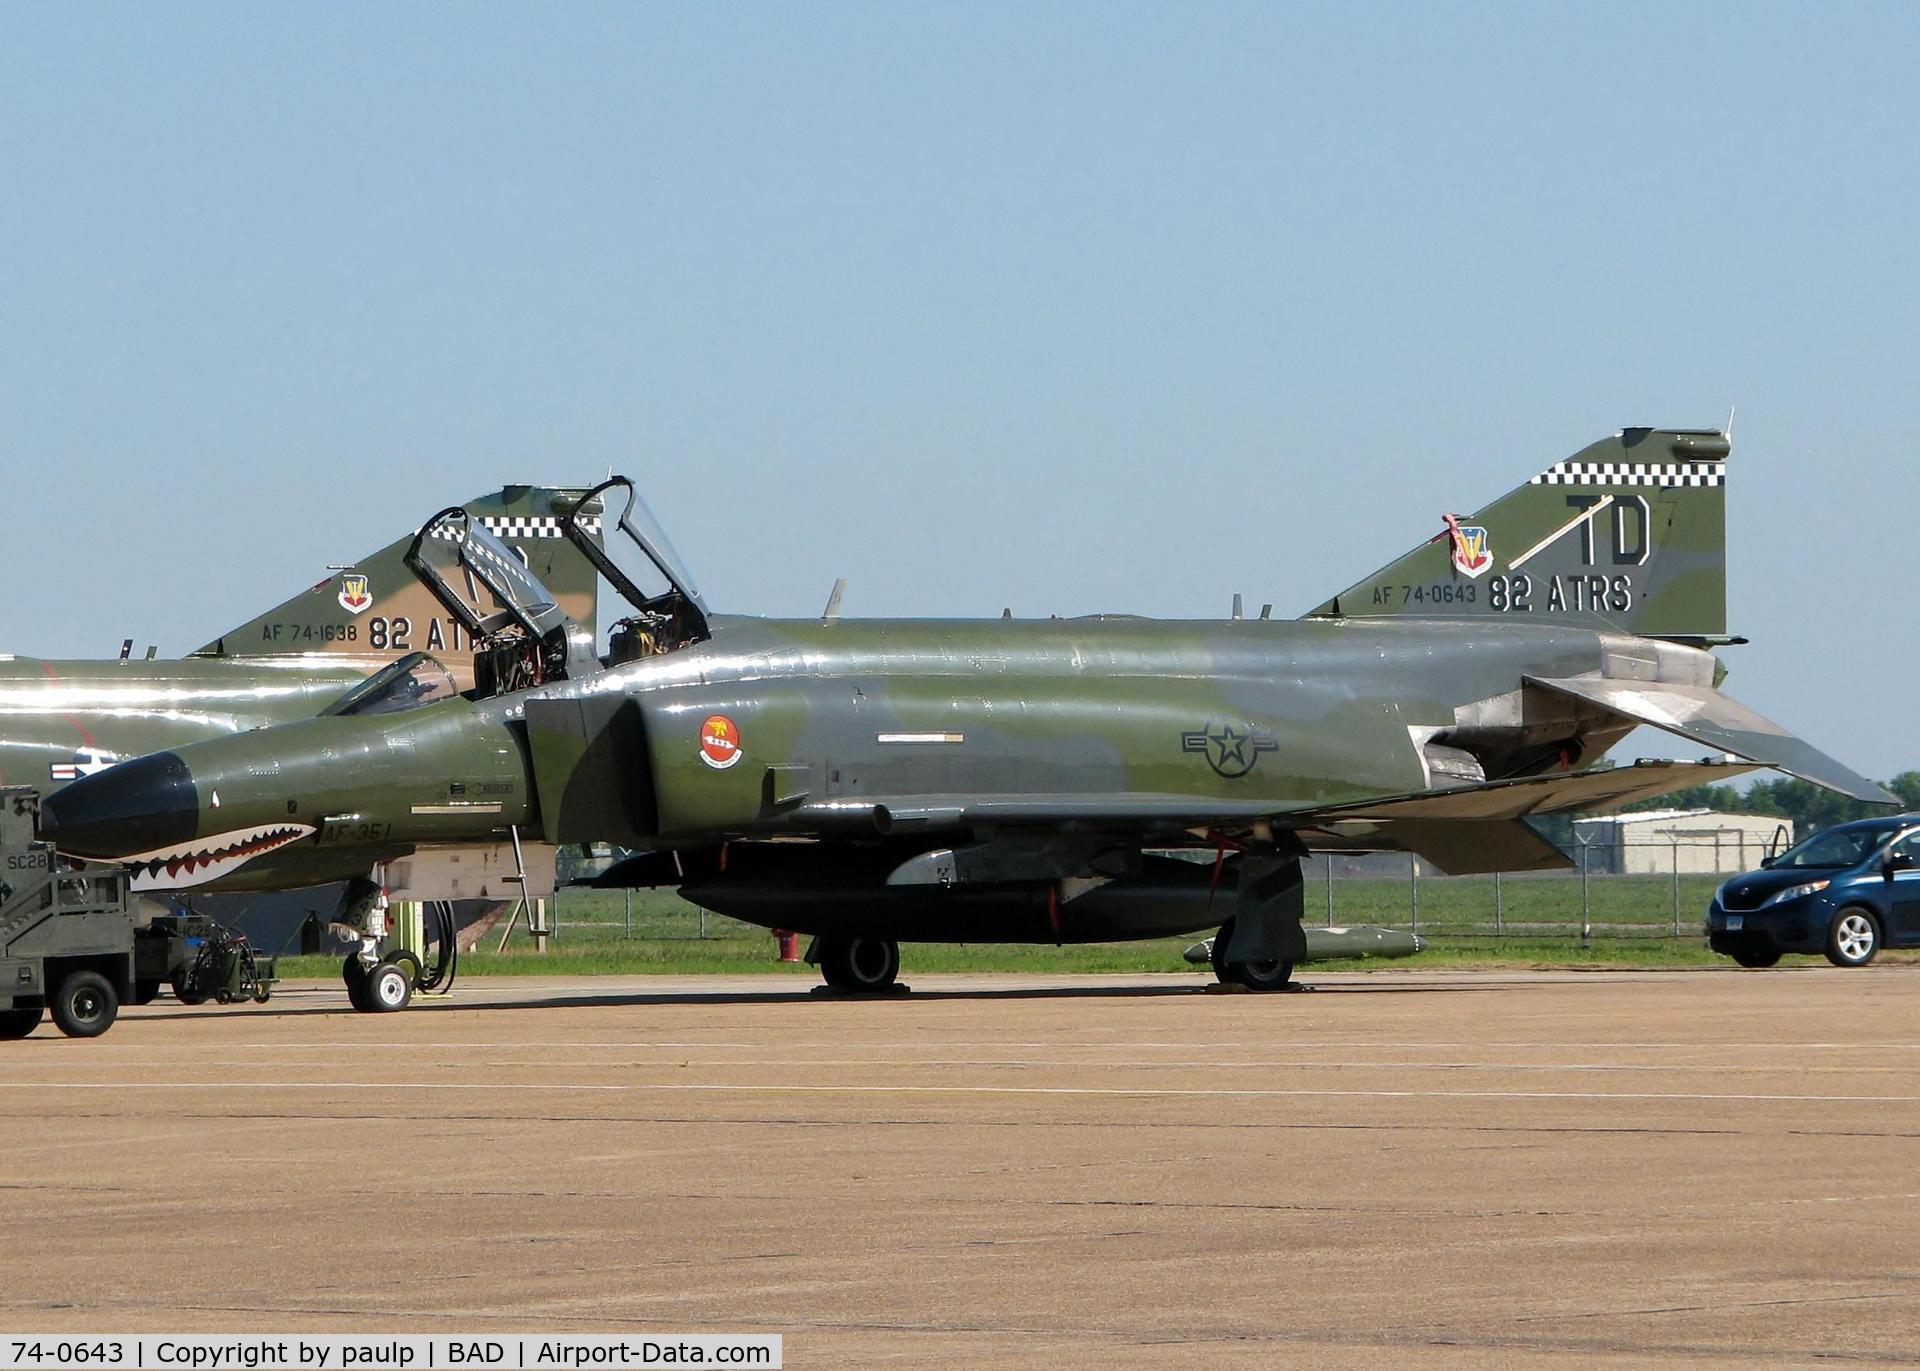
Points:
x=1632, y=920
x=1632, y=917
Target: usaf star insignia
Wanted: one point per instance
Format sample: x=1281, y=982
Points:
x=1231, y=748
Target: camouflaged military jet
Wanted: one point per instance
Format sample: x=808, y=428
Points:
x=61, y=720
x=873, y=782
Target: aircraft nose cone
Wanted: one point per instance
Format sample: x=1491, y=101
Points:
x=139, y=806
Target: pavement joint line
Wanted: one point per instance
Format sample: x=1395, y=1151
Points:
x=1183, y=1064
x=789, y=1088
x=1302, y=1044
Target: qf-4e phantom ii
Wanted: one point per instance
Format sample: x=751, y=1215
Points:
x=877, y=781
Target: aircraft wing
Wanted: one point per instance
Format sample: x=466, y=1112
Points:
x=1464, y=830
x=1600, y=788
x=1516, y=799
x=1704, y=715
x=1481, y=828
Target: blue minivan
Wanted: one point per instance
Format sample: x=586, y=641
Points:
x=1846, y=892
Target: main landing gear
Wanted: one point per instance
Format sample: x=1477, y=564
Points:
x=1259, y=973
x=858, y=965
x=1258, y=947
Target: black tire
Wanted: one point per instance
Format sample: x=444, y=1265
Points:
x=389, y=988
x=1267, y=975
x=85, y=1005
x=861, y=965
x=1217, y=953
x=146, y=992
x=354, y=976
x=1854, y=939
x=409, y=959
x=1759, y=958
x=1255, y=975
x=17, y=1023
x=183, y=992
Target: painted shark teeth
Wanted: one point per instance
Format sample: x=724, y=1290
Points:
x=206, y=859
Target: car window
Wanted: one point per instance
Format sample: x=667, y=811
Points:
x=1906, y=852
x=1837, y=847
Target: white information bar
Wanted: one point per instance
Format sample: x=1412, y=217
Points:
x=380, y=1352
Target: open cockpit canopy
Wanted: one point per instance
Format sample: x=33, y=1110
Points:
x=481, y=581
x=518, y=628
x=633, y=552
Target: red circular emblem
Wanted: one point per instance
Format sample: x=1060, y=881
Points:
x=719, y=742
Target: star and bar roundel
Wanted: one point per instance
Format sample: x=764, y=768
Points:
x=1232, y=748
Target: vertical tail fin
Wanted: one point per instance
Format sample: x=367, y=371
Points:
x=1629, y=533
x=376, y=609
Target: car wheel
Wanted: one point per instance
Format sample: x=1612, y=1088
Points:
x=85, y=1005
x=1854, y=939
x=17, y=1023
x=1757, y=957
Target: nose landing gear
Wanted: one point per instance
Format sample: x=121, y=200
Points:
x=383, y=981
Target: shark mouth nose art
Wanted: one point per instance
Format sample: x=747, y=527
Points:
x=207, y=859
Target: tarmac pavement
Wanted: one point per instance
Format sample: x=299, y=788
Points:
x=1689, y=1168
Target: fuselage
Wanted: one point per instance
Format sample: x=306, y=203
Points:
x=813, y=729
x=62, y=719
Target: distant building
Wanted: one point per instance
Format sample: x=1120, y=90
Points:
x=1661, y=841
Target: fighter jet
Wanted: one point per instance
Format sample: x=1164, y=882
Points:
x=61, y=720
x=878, y=781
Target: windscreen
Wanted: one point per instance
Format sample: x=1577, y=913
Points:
x=1837, y=847
x=415, y=679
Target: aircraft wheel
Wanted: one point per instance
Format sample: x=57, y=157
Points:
x=1267, y=975
x=1758, y=958
x=86, y=1005
x=1854, y=939
x=1217, y=953
x=1255, y=975
x=17, y=1023
x=865, y=966
x=354, y=974
x=389, y=988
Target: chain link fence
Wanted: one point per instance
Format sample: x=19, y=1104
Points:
x=1627, y=889
x=1593, y=900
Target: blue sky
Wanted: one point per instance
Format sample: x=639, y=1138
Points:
x=1064, y=307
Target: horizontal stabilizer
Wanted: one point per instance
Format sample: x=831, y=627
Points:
x=1704, y=715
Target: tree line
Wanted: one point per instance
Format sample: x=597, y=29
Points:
x=1811, y=807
